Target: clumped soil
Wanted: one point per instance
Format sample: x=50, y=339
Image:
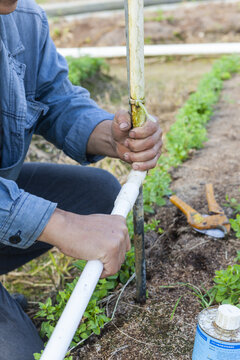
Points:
x=201, y=24
x=180, y=254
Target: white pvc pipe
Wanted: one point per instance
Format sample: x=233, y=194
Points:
x=154, y=50
x=67, y=325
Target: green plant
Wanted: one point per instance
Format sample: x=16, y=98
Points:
x=233, y=203
x=56, y=33
x=148, y=40
x=235, y=223
x=153, y=225
x=81, y=69
x=159, y=17
x=37, y=356
x=204, y=297
x=227, y=284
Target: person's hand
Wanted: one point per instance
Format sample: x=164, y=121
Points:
x=140, y=147
x=89, y=237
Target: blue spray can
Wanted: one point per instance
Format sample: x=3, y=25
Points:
x=218, y=334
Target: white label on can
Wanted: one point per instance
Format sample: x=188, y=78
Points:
x=208, y=348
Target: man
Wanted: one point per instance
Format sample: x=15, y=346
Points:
x=45, y=205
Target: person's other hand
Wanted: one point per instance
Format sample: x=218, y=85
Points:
x=89, y=237
x=140, y=147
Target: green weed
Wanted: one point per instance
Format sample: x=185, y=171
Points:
x=159, y=17
x=148, y=40
x=235, y=223
x=37, y=356
x=204, y=297
x=227, y=284
x=81, y=69
x=233, y=203
x=153, y=225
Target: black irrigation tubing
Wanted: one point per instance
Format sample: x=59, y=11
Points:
x=79, y=7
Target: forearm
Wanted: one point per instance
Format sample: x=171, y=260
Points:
x=55, y=229
x=101, y=142
x=68, y=232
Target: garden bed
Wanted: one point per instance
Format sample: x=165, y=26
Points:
x=180, y=254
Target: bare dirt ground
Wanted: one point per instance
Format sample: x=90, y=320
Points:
x=180, y=254
x=204, y=23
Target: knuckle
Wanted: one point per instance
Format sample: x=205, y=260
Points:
x=152, y=126
x=132, y=145
x=131, y=157
x=153, y=152
x=151, y=142
x=121, y=115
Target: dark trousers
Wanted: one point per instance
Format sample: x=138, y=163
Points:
x=82, y=190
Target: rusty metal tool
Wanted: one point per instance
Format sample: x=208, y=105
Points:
x=216, y=224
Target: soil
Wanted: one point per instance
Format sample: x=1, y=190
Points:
x=180, y=254
x=201, y=24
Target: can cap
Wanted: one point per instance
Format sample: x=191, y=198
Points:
x=228, y=317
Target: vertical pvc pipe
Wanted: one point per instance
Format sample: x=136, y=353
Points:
x=135, y=56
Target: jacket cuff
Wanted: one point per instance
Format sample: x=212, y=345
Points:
x=78, y=136
x=26, y=221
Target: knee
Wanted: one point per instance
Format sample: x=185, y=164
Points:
x=18, y=336
x=108, y=190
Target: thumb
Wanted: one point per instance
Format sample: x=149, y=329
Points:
x=123, y=120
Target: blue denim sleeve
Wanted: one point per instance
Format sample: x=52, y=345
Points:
x=22, y=216
x=72, y=115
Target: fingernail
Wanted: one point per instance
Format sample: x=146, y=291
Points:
x=126, y=156
x=126, y=143
x=123, y=126
x=132, y=134
x=135, y=167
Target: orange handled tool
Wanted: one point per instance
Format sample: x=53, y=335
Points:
x=205, y=223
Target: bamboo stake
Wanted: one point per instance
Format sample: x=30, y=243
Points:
x=135, y=56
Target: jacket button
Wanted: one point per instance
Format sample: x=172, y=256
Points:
x=15, y=239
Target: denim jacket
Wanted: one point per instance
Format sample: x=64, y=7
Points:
x=36, y=97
